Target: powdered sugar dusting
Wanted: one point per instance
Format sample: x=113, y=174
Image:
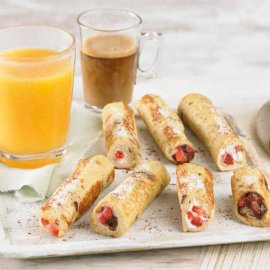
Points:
x=249, y=179
x=122, y=132
x=164, y=112
x=231, y=149
x=119, y=126
x=124, y=189
x=193, y=181
x=220, y=122
x=177, y=129
x=174, y=125
x=117, y=112
x=64, y=192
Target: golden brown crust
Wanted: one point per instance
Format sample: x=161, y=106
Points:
x=127, y=121
x=199, y=113
x=90, y=197
x=248, y=180
x=120, y=134
x=77, y=193
x=163, y=124
x=80, y=166
x=131, y=197
x=195, y=188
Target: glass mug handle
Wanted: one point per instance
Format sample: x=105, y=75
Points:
x=155, y=37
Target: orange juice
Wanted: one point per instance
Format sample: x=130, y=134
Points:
x=35, y=100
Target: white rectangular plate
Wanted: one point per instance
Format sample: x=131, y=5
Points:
x=158, y=227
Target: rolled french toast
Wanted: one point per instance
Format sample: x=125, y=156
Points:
x=250, y=197
x=76, y=194
x=196, y=196
x=117, y=211
x=166, y=128
x=120, y=134
x=199, y=113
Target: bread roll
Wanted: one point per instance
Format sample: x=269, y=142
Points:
x=120, y=134
x=250, y=197
x=226, y=149
x=117, y=211
x=196, y=196
x=166, y=128
x=76, y=194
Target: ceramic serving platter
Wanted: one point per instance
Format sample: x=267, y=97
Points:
x=158, y=227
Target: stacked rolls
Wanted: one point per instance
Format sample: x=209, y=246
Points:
x=118, y=210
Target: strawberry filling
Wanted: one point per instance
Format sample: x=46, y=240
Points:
x=253, y=201
x=119, y=154
x=194, y=219
x=227, y=158
x=199, y=211
x=106, y=217
x=44, y=222
x=183, y=154
x=105, y=214
x=197, y=216
x=238, y=148
x=53, y=230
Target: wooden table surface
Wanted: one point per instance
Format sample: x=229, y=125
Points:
x=201, y=38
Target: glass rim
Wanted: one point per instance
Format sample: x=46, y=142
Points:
x=127, y=11
x=58, y=55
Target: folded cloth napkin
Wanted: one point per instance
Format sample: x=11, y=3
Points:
x=31, y=185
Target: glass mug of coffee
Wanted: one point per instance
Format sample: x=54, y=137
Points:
x=111, y=43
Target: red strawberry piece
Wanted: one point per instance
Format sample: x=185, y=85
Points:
x=189, y=215
x=228, y=159
x=179, y=155
x=238, y=148
x=194, y=219
x=255, y=206
x=44, y=222
x=107, y=212
x=105, y=215
x=183, y=153
x=101, y=218
x=189, y=152
x=54, y=231
x=254, y=202
x=242, y=202
x=199, y=211
x=119, y=155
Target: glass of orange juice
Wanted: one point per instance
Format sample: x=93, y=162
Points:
x=36, y=81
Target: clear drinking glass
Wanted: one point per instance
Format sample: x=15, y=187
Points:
x=36, y=82
x=111, y=43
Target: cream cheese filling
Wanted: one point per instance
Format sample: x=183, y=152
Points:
x=187, y=220
x=231, y=149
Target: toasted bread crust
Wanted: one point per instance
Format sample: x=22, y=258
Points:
x=199, y=113
x=131, y=197
x=119, y=118
x=77, y=193
x=240, y=187
x=163, y=124
x=203, y=194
